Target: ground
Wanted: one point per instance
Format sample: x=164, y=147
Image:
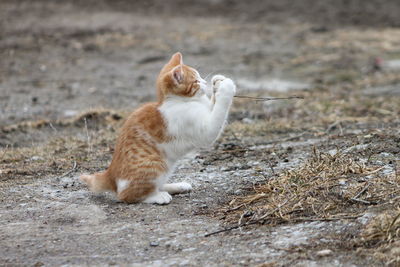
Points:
x=305, y=179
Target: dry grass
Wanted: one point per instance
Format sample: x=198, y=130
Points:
x=382, y=237
x=101, y=116
x=385, y=228
x=325, y=187
x=90, y=147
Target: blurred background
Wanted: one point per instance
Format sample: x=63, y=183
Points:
x=61, y=57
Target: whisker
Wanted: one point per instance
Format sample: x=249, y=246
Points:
x=218, y=70
x=208, y=75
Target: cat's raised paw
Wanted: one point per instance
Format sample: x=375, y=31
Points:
x=216, y=81
x=226, y=88
x=161, y=198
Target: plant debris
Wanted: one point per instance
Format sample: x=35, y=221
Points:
x=382, y=235
x=327, y=186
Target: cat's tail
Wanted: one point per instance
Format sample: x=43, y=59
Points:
x=98, y=182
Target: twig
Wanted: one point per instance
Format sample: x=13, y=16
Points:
x=327, y=219
x=272, y=168
x=363, y=201
x=374, y=171
x=355, y=198
x=332, y=126
x=4, y=153
x=230, y=228
x=281, y=140
x=393, y=222
x=68, y=172
x=235, y=208
x=247, y=223
x=52, y=127
x=240, y=221
x=361, y=192
x=235, y=137
x=268, y=98
x=88, y=136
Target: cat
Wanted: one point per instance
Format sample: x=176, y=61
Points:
x=156, y=135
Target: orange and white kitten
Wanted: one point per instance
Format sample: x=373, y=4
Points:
x=157, y=135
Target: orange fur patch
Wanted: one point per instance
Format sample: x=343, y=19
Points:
x=166, y=84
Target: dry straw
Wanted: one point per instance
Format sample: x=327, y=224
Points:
x=326, y=187
x=385, y=228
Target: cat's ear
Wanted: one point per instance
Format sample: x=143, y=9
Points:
x=176, y=59
x=177, y=74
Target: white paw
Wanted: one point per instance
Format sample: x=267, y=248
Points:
x=178, y=188
x=184, y=187
x=216, y=80
x=160, y=198
x=226, y=89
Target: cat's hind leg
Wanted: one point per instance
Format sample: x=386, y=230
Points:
x=177, y=188
x=98, y=182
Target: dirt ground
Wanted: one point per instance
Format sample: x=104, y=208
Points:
x=70, y=71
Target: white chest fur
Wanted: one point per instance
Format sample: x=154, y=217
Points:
x=195, y=122
x=186, y=120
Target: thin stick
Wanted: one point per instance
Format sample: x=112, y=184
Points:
x=68, y=172
x=240, y=221
x=230, y=228
x=327, y=219
x=296, y=220
x=361, y=192
x=363, y=201
x=247, y=223
x=281, y=140
x=52, y=127
x=268, y=98
x=4, y=153
x=88, y=136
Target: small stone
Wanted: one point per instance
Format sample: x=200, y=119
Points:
x=35, y=158
x=324, y=253
x=247, y=121
x=154, y=244
x=70, y=113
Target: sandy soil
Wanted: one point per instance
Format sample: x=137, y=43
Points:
x=62, y=59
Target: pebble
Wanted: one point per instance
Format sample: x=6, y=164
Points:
x=154, y=244
x=70, y=113
x=324, y=253
x=36, y=158
x=247, y=121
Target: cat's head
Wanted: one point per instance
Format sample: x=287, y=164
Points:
x=178, y=79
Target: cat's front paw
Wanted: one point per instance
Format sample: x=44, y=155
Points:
x=216, y=80
x=227, y=89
